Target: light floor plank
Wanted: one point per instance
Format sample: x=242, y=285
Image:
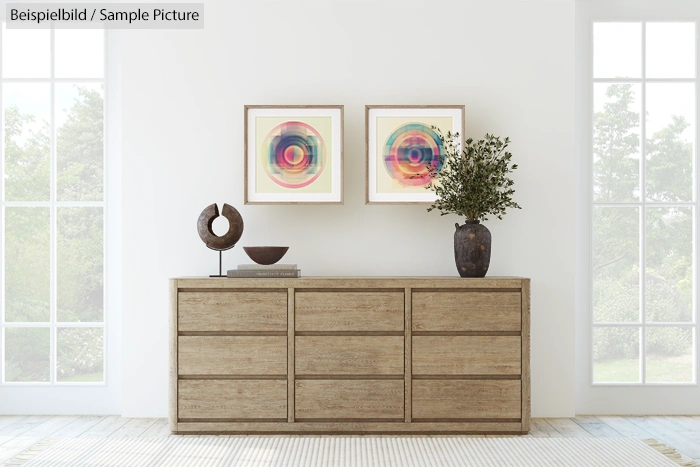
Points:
x=21, y=426
x=134, y=428
x=542, y=429
x=160, y=429
x=597, y=428
x=569, y=428
x=32, y=436
x=106, y=427
x=663, y=433
x=79, y=426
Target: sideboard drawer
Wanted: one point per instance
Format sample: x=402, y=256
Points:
x=349, y=399
x=349, y=311
x=466, y=399
x=349, y=355
x=232, y=355
x=211, y=399
x=466, y=355
x=466, y=311
x=232, y=311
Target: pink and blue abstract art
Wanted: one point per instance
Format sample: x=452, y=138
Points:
x=409, y=151
x=294, y=154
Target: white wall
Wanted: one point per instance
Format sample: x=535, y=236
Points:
x=510, y=63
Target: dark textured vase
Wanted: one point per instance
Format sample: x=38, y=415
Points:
x=472, y=249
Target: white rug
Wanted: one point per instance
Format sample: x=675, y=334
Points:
x=365, y=451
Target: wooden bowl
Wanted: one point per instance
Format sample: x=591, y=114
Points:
x=265, y=254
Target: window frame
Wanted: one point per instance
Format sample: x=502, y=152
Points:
x=53, y=204
x=642, y=204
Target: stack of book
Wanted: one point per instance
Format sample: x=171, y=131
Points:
x=261, y=270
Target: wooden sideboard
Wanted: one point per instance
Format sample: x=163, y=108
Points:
x=324, y=355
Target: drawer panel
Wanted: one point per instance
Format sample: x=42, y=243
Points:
x=232, y=355
x=349, y=311
x=460, y=399
x=209, y=399
x=232, y=311
x=349, y=399
x=349, y=355
x=466, y=355
x=466, y=311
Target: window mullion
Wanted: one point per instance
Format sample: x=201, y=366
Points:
x=643, y=212
x=52, y=216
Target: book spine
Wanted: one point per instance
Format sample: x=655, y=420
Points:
x=257, y=273
x=265, y=267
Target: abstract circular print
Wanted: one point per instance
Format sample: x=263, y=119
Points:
x=409, y=151
x=294, y=154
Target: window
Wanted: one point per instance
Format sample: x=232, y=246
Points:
x=52, y=312
x=644, y=203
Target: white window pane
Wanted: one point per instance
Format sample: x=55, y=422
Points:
x=670, y=50
x=27, y=147
x=80, y=355
x=27, y=355
x=615, y=264
x=79, y=53
x=26, y=53
x=669, y=355
x=617, y=50
x=616, y=355
x=27, y=264
x=669, y=265
x=670, y=141
x=79, y=249
x=79, y=142
x=616, y=142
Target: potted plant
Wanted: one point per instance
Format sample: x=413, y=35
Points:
x=473, y=182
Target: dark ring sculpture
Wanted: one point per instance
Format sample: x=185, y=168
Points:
x=229, y=239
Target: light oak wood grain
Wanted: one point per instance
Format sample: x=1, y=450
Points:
x=232, y=355
x=466, y=355
x=350, y=283
x=347, y=355
x=232, y=399
x=349, y=399
x=290, y=355
x=172, y=372
x=350, y=352
x=408, y=360
x=232, y=311
x=456, y=399
x=357, y=428
x=349, y=311
x=466, y=311
x=525, y=365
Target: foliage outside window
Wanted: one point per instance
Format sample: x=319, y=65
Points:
x=52, y=318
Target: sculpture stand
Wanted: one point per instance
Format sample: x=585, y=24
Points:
x=221, y=252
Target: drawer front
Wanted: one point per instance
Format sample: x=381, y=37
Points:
x=208, y=399
x=232, y=311
x=349, y=355
x=466, y=311
x=349, y=311
x=349, y=399
x=460, y=399
x=466, y=355
x=232, y=355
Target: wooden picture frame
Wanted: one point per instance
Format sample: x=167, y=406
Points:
x=389, y=130
x=293, y=154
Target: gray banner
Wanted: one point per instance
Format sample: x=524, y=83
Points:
x=105, y=15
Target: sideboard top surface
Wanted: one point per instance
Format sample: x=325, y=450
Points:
x=352, y=282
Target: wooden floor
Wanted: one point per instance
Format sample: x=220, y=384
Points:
x=18, y=433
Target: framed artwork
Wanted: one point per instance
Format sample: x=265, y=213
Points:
x=400, y=144
x=293, y=154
